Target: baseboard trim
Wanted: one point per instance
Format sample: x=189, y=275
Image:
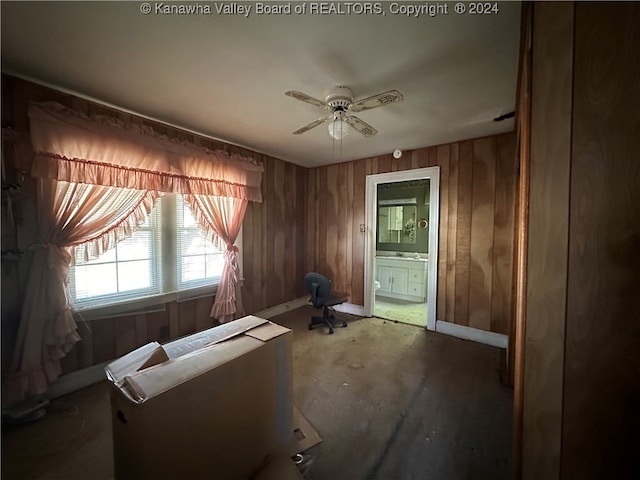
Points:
x=76, y=380
x=468, y=333
x=282, y=308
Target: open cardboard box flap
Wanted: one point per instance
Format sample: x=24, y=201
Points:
x=282, y=466
x=304, y=435
x=212, y=336
x=153, y=368
x=134, y=361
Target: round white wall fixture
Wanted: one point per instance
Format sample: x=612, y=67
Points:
x=397, y=153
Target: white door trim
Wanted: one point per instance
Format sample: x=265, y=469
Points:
x=433, y=174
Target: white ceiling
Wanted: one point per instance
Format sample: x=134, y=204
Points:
x=225, y=75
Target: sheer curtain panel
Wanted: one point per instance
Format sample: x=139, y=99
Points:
x=70, y=216
x=97, y=179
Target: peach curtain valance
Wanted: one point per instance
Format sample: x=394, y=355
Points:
x=101, y=150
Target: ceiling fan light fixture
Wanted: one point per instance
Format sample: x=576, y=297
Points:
x=338, y=128
x=339, y=102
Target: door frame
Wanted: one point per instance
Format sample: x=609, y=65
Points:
x=433, y=175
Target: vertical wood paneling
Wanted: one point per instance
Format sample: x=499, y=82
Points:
x=452, y=225
x=344, y=229
x=581, y=360
x=384, y=163
x=258, y=247
x=104, y=340
x=548, y=238
x=265, y=218
x=501, y=289
x=602, y=359
x=443, y=153
x=174, y=319
x=433, y=156
x=187, y=318
x=357, y=207
x=269, y=226
x=482, y=227
x=141, y=330
x=332, y=223
x=277, y=231
x=301, y=251
x=248, y=238
x=125, y=329
x=323, y=220
x=253, y=275
x=158, y=326
x=463, y=233
x=420, y=158
x=276, y=228
x=311, y=239
x=84, y=348
x=311, y=221
x=516, y=348
x=203, y=318
x=68, y=363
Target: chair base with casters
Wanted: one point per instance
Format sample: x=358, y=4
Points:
x=319, y=287
x=327, y=319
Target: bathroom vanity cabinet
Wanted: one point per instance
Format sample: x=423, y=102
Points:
x=402, y=278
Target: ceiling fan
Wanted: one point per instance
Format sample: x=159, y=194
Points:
x=340, y=103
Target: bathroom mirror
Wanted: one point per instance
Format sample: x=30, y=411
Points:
x=397, y=224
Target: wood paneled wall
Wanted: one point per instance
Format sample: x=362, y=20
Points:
x=547, y=250
x=515, y=363
x=582, y=366
x=273, y=248
x=602, y=347
x=477, y=189
x=274, y=238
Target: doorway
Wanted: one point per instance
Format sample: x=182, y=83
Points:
x=401, y=246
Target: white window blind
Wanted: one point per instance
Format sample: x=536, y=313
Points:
x=169, y=253
x=199, y=262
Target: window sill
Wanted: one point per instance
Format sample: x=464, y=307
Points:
x=141, y=306
x=154, y=303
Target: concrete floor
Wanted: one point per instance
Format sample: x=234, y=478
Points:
x=391, y=401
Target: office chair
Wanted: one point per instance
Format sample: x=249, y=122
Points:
x=319, y=287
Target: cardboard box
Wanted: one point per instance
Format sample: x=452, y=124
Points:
x=283, y=467
x=216, y=404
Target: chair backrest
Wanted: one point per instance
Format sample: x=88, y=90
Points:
x=318, y=286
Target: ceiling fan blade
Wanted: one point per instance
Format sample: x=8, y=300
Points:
x=384, y=98
x=309, y=126
x=363, y=127
x=303, y=97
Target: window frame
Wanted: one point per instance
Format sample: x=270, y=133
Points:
x=167, y=261
x=185, y=285
x=156, y=288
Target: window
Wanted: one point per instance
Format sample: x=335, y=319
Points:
x=169, y=253
x=199, y=261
